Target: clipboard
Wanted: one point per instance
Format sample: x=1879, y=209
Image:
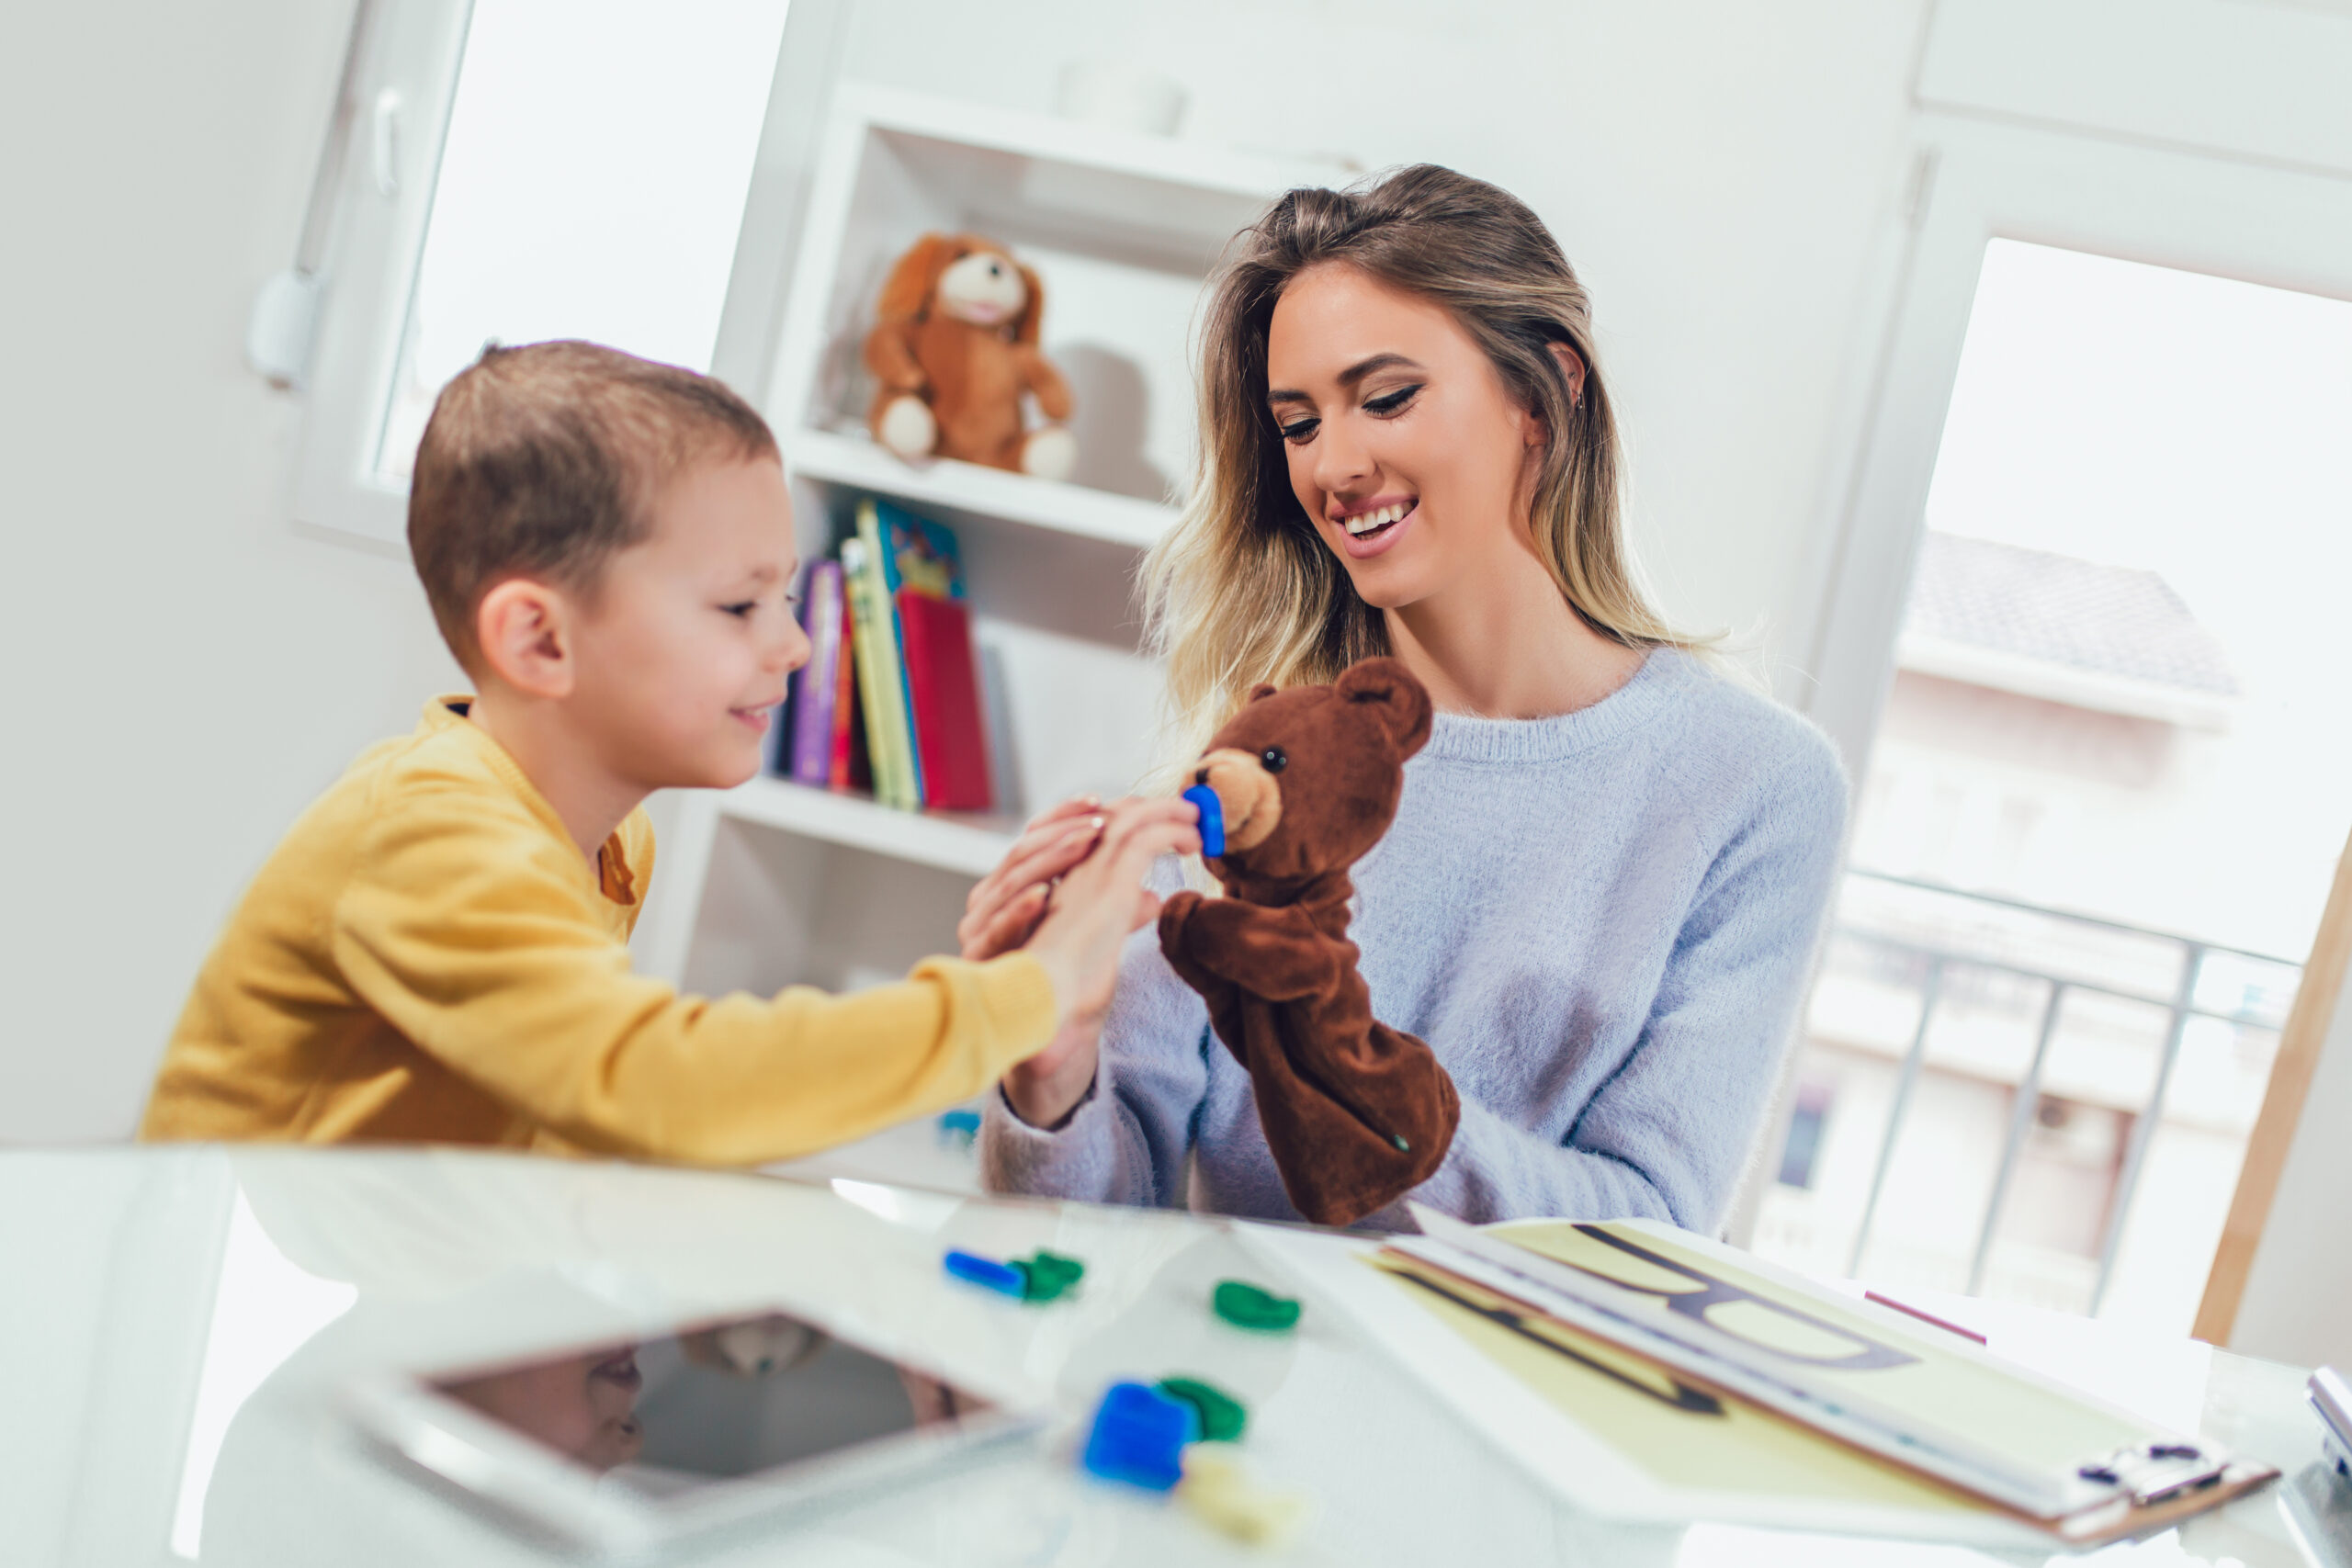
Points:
x=1701, y=1331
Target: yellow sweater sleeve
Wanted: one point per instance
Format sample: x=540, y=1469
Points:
x=466, y=927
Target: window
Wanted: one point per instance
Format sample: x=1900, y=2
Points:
x=522, y=170
x=590, y=185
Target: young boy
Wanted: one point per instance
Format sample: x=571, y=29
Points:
x=437, y=950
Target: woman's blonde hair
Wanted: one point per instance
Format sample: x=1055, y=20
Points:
x=1241, y=590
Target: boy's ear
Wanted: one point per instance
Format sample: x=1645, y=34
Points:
x=524, y=629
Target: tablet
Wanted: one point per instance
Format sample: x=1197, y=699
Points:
x=625, y=1447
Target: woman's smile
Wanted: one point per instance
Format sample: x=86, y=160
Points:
x=1371, y=526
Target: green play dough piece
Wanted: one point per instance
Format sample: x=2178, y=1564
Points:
x=1048, y=1276
x=1222, y=1415
x=1247, y=1306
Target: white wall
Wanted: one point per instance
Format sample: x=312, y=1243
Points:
x=185, y=672
x=189, y=670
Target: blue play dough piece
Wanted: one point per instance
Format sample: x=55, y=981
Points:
x=1139, y=1435
x=1212, y=819
x=987, y=1272
x=960, y=1120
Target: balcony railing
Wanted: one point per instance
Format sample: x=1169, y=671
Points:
x=2112, y=960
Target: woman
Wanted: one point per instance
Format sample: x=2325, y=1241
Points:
x=1600, y=893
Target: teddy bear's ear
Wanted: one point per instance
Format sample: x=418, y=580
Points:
x=1403, y=702
x=1026, y=325
x=907, y=296
x=1261, y=692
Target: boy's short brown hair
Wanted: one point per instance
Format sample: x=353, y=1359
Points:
x=542, y=461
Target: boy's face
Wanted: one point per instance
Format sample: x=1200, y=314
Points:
x=683, y=653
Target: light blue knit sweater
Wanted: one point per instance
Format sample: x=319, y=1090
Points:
x=1602, y=922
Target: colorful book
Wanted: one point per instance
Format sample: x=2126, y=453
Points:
x=923, y=567
x=857, y=762
x=901, y=546
x=949, y=736
x=817, y=684
x=934, y=652
x=848, y=769
x=892, y=537
x=881, y=683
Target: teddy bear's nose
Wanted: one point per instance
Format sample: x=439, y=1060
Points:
x=1201, y=777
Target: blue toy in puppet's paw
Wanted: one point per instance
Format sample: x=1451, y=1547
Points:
x=1212, y=811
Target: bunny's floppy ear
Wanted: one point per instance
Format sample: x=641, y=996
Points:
x=1403, y=702
x=907, y=296
x=1026, y=324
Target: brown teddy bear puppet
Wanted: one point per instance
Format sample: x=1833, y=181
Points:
x=954, y=349
x=1304, y=781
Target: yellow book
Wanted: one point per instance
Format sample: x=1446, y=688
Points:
x=880, y=684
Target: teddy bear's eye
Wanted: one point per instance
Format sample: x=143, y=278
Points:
x=1274, y=758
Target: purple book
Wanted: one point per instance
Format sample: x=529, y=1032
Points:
x=818, y=681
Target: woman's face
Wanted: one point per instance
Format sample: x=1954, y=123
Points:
x=1406, y=449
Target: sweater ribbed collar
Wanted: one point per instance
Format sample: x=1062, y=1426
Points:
x=1464, y=737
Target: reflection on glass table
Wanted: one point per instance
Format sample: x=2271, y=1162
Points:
x=191, y=1319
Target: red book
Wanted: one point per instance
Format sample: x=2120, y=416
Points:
x=841, y=771
x=935, y=641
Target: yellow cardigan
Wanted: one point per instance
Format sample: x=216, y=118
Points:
x=427, y=957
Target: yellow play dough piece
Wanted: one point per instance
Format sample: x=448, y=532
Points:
x=1218, y=1490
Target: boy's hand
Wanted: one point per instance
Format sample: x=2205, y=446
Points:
x=1101, y=900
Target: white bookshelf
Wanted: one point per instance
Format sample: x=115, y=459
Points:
x=775, y=883
x=961, y=843
x=954, y=490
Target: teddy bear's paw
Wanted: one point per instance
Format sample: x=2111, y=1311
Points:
x=906, y=428
x=1049, y=454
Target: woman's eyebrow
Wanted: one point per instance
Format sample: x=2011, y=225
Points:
x=1347, y=378
x=1364, y=367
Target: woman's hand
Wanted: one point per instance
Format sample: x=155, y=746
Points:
x=1046, y=1089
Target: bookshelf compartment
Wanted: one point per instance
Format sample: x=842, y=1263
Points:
x=786, y=909
x=1122, y=230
